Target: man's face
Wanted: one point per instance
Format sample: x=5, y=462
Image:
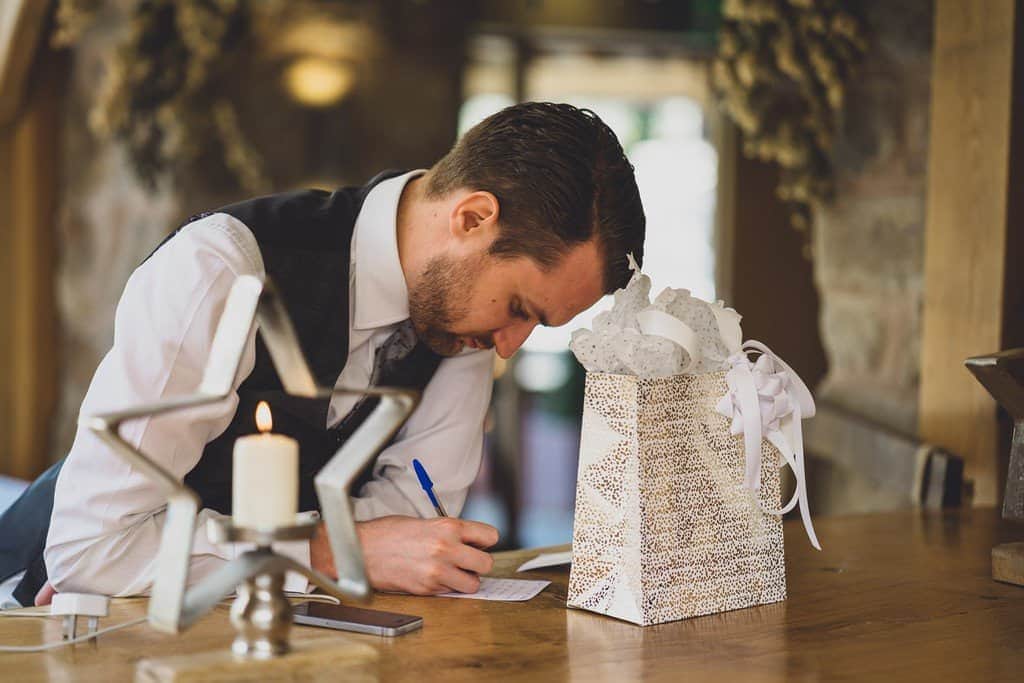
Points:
x=481, y=301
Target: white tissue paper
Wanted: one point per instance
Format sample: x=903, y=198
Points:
x=677, y=334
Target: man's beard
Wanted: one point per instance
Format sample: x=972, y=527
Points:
x=438, y=301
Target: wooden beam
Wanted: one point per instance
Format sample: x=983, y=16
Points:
x=6, y=284
x=28, y=197
x=727, y=141
x=21, y=25
x=972, y=226
x=760, y=225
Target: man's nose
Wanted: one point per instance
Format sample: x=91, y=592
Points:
x=508, y=339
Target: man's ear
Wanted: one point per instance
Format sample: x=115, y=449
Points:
x=474, y=215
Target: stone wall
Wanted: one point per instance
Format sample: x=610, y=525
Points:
x=107, y=222
x=869, y=271
x=868, y=246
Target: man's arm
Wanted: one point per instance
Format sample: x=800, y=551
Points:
x=107, y=517
x=445, y=433
x=405, y=546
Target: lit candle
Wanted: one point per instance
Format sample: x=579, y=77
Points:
x=265, y=482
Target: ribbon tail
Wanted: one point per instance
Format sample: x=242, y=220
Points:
x=751, y=413
x=792, y=424
x=779, y=441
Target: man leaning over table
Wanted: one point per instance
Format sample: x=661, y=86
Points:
x=527, y=220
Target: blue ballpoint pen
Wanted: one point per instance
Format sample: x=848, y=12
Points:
x=428, y=486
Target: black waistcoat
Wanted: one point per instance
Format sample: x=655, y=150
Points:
x=305, y=240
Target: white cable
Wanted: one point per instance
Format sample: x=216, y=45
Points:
x=311, y=597
x=72, y=641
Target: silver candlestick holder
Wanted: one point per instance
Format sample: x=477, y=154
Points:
x=261, y=613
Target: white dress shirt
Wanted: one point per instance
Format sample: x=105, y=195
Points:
x=107, y=517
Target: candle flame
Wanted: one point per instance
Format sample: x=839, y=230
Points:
x=264, y=422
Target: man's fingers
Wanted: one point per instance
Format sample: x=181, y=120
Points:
x=478, y=534
x=472, y=560
x=458, y=580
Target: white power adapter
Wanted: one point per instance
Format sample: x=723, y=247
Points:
x=74, y=605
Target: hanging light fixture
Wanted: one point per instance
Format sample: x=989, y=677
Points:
x=319, y=81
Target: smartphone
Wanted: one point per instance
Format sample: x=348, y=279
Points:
x=345, y=618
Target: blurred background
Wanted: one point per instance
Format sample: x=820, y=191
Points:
x=839, y=172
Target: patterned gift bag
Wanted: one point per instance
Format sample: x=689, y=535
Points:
x=677, y=498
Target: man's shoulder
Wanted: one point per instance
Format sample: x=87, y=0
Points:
x=303, y=219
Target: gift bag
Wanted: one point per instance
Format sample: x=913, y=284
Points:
x=677, y=498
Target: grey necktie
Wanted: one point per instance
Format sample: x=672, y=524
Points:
x=401, y=361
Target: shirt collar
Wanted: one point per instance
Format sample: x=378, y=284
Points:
x=381, y=296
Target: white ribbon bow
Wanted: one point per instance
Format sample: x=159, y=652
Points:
x=766, y=398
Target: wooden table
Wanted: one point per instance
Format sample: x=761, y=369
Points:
x=899, y=596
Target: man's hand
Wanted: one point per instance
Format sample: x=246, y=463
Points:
x=418, y=556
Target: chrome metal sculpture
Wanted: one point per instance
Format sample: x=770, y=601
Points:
x=261, y=613
x=1002, y=374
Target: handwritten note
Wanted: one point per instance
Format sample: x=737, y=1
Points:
x=547, y=560
x=505, y=590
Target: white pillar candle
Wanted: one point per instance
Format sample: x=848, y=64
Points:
x=265, y=481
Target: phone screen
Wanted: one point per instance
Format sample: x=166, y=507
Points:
x=345, y=618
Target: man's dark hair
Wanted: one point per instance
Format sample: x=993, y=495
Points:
x=560, y=177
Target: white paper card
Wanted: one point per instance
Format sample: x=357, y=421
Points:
x=547, y=560
x=505, y=590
